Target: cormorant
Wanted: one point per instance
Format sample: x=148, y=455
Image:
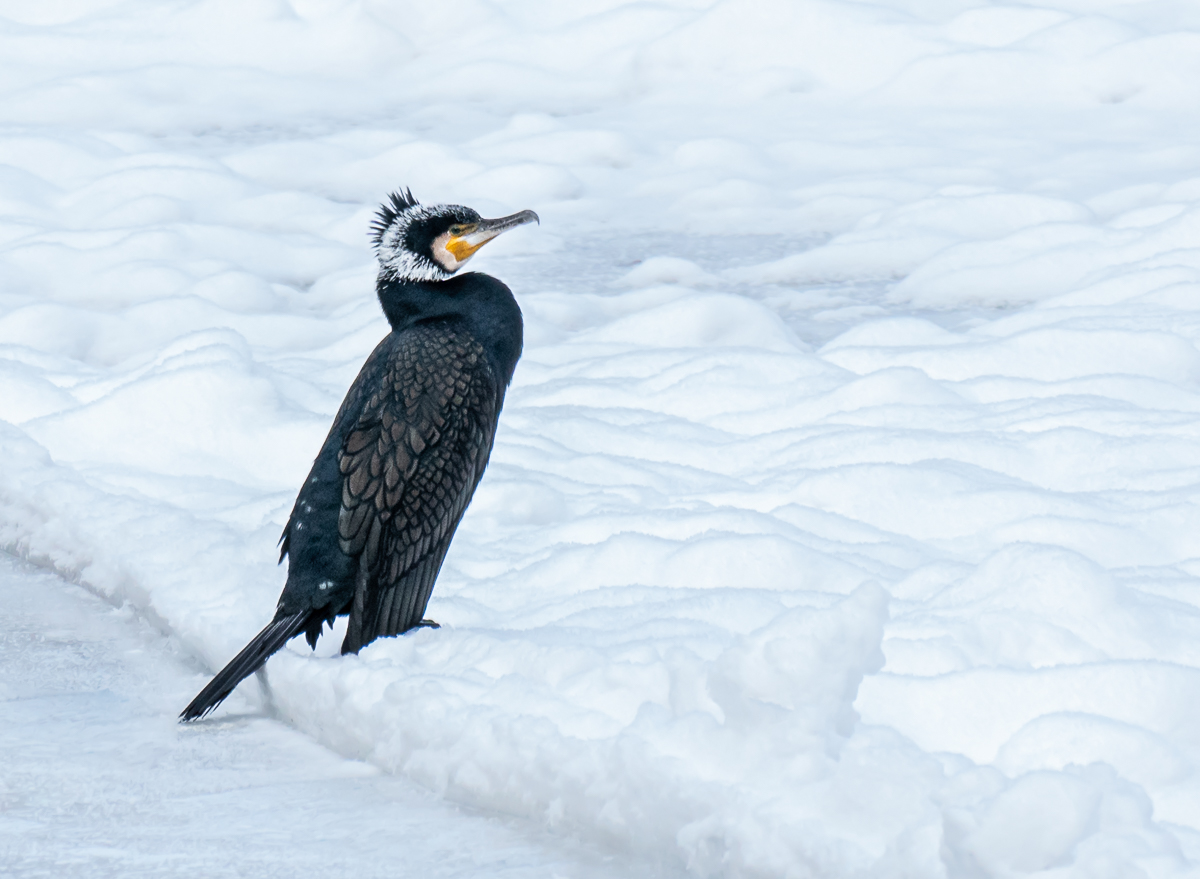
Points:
x=376, y=514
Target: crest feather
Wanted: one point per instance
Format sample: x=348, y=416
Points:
x=397, y=203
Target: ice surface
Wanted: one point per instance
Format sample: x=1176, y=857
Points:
x=843, y=518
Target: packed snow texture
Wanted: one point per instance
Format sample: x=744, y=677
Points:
x=98, y=780
x=844, y=515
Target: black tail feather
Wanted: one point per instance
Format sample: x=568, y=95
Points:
x=251, y=659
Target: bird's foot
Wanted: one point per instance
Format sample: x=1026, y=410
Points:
x=427, y=624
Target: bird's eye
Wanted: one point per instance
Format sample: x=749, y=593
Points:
x=457, y=229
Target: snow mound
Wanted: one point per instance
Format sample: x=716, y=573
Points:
x=843, y=518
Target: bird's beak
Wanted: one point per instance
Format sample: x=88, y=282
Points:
x=463, y=246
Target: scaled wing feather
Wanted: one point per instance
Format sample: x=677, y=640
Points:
x=409, y=467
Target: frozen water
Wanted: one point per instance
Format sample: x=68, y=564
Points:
x=844, y=515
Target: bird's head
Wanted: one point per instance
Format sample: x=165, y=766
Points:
x=416, y=242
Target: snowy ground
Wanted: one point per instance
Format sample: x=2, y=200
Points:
x=100, y=781
x=844, y=517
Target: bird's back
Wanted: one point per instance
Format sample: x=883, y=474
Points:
x=405, y=455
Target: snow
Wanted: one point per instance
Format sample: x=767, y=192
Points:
x=107, y=784
x=844, y=514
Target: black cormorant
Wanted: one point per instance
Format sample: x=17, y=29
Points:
x=409, y=444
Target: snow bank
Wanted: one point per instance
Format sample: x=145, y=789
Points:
x=843, y=518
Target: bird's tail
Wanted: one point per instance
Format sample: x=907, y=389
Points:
x=251, y=659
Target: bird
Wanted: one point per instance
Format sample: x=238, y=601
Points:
x=373, y=520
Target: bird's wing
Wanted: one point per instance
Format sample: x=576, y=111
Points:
x=351, y=405
x=409, y=467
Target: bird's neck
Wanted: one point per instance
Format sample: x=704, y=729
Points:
x=405, y=302
x=483, y=304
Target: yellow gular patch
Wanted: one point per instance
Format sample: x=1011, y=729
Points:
x=462, y=249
